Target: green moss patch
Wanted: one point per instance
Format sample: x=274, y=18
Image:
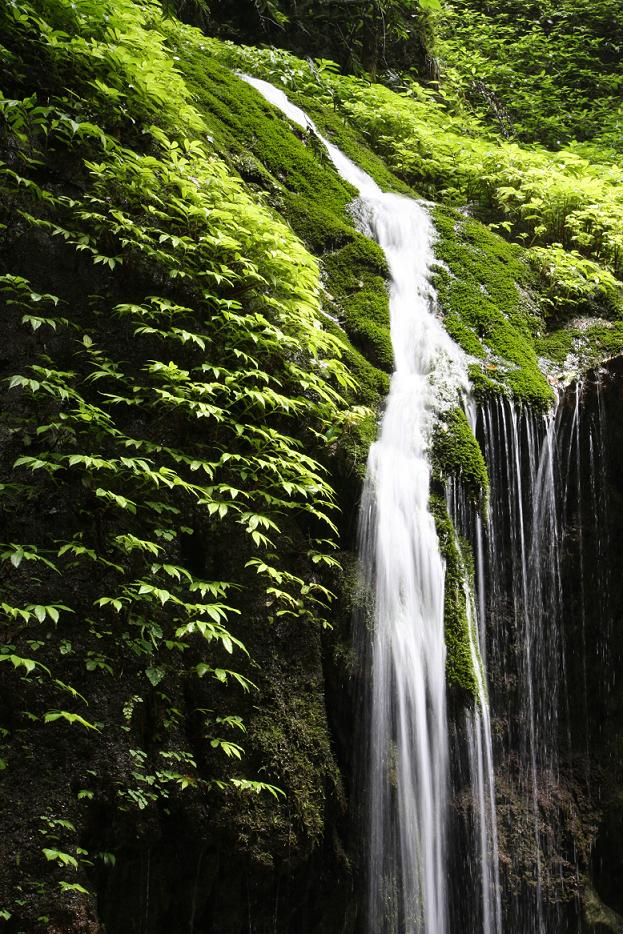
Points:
x=459, y=668
x=483, y=285
x=581, y=345
x=357, y=275
x=456, y=453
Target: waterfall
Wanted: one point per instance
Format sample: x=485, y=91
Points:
x=547, y=496
x=407, y=767
x=522, y=567
x=496, y=803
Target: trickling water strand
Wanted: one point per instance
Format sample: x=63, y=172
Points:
x=522, y=578
x=405, y=572
x=586, y=513
x=576, y=434
x=468, y=523
x=547, y=530
x=525, y=608
x=598, y=475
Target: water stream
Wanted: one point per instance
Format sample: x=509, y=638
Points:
x=407, y=768
x=477, y=720
x=432, y=793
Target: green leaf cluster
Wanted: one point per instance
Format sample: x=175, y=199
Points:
x=170, y=394
x=547, y=71
x=362, y=35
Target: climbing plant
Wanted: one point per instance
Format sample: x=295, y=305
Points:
x=167, y=391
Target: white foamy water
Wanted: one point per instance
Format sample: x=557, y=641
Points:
x=408, y=778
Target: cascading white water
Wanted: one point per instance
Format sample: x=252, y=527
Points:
x=404, y=569
x=399, y=547
x=547, y=521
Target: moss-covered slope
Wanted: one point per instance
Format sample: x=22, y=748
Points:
x=512, y=307
x=294, y=174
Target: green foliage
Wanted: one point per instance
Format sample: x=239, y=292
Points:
x=289, y=735
x=368, y=35
x=179, y=375
x=494, y=302
x=302, y=184
x=535, y=196
x=169, y=395
x=63, y=859
x=547, y=71
x=571, y=281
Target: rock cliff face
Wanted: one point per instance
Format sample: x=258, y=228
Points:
x=597, y=651
x=551, y=583
x=137, y=523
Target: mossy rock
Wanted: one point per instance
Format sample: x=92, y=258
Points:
x=485, y=290
x=456, y=453
x=357, y=275
x=320, y=228
x=373, y=383
x=578, y=346
x=355, y=444
x=460, y=672
x=598, y=917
